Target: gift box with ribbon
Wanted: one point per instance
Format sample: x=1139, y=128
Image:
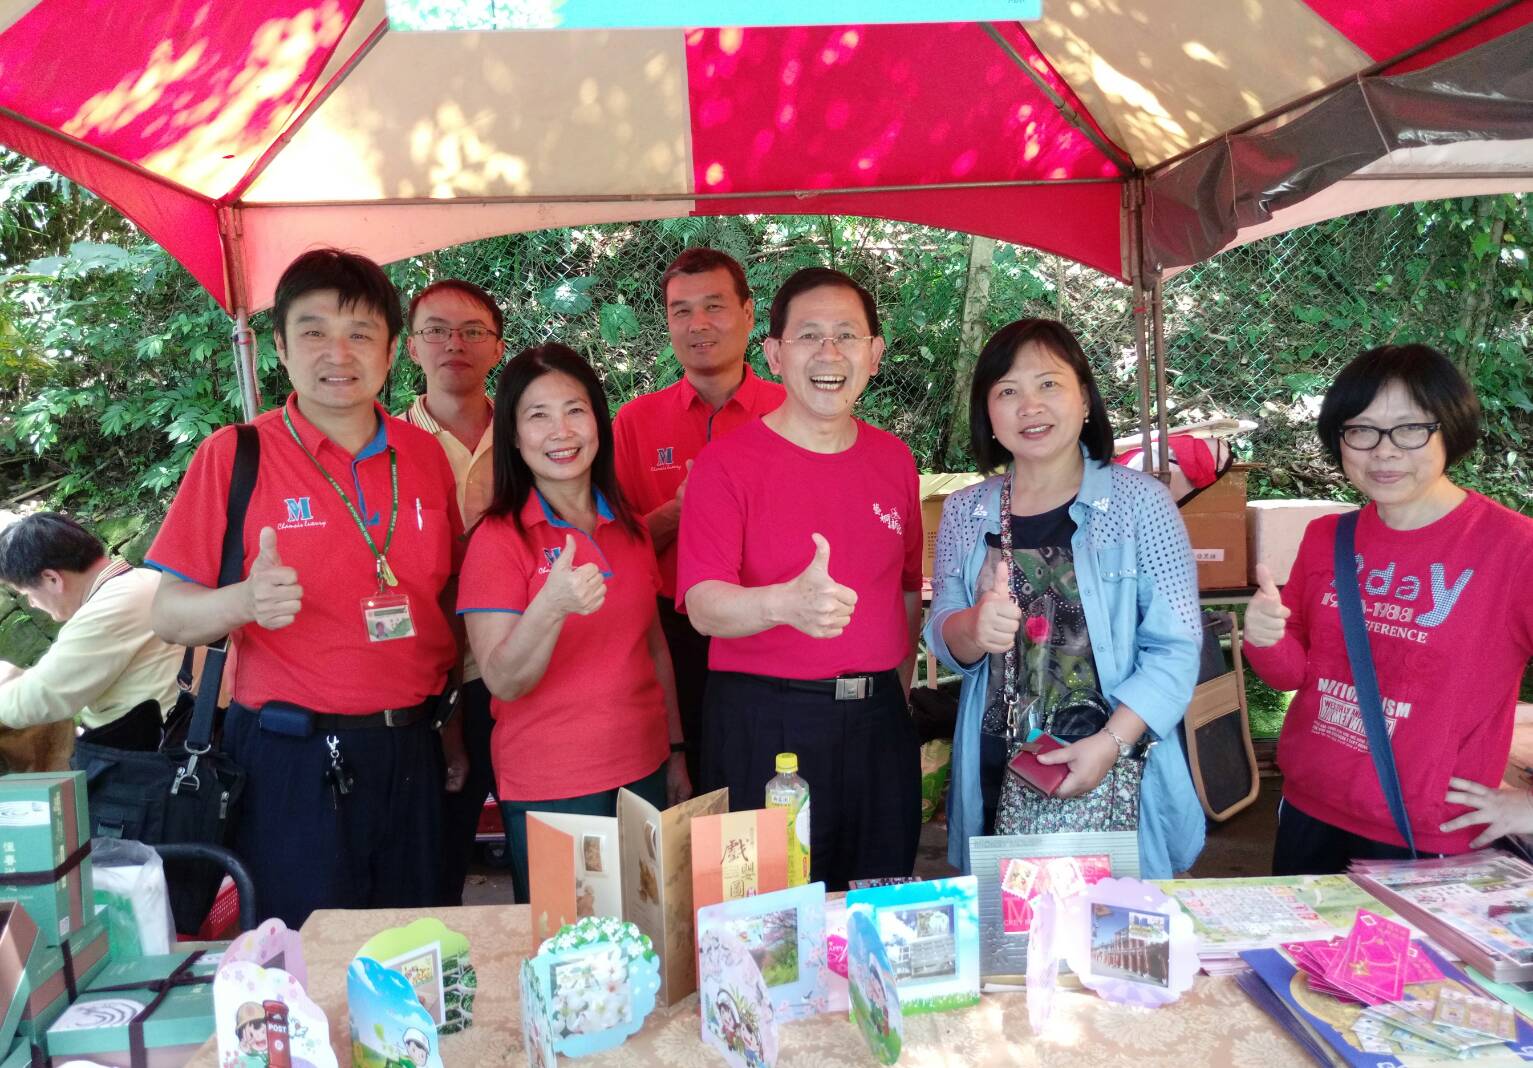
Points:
x=18, y=938
x=59, y=974
x=149, y=1012
x=45, y=850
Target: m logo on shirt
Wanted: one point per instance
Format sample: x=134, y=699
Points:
x=663, y=457
x=552, y=555
x=298, y=510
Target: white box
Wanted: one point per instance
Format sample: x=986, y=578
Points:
x=1275, y=528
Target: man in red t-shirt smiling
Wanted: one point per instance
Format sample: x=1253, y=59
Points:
x=341, y=623
x=710, y=314
x=801, y=557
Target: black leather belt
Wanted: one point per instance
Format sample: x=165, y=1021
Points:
x=842, y=687
x=326, y=722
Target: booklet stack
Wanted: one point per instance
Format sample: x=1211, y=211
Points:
x=1478, y=906
x=1231, y=916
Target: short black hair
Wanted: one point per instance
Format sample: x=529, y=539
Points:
x=996, y=358
x=701, y=261
x=1438, y=387
x=512, y=479
x=802, y=281
x=45, y=541
x=469, y=290
x=355, y=279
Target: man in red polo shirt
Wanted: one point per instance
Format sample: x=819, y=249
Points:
x=710, y=314
x=801, y=556
x=455, y=330
x=351, y=542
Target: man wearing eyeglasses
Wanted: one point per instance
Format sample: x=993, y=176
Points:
x=801, y=557
x=455, y=330
x=710, y=314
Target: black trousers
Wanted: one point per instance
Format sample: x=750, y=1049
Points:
x=375, y=847
x=861, y=760
x=461, y=811
x=689, y=659
x=1309, y=846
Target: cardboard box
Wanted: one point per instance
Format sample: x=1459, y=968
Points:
x=18, y=938
x=1216, y=525
x=1275, y=528
x=45, y=850
x=47, y=984
x=93, y=1030
x=934, y=491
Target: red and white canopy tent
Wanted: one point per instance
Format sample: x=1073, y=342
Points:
x=1134, y=136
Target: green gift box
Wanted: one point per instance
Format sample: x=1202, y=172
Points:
x=149, y=1012
x=45, y=850
x=18, y=938
x=54, y=980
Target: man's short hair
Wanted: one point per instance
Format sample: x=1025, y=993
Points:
x=802, y=281
x=1437, y=387
x=701, y=261
x=356, y=280
x=469, y=290
x=45, y=541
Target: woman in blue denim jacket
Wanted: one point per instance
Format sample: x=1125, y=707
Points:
x=1111, y=551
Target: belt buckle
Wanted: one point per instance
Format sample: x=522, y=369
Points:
x=853, y=689
x=395, y=717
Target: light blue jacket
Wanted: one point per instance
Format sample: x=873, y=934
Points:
x=1138, y=587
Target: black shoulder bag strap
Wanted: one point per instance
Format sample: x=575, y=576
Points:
x=1365, y=680
x=247, y=461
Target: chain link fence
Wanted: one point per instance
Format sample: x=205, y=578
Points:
x=1256, y=333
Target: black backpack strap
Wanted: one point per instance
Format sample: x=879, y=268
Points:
x=247, y=462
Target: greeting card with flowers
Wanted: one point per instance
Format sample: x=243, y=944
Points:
x=736, y=1009
x=600, y=977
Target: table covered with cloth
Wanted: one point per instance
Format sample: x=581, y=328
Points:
x=1213, y=1024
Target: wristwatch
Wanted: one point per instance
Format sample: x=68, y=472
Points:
x=678, y=747
x=1124, y=748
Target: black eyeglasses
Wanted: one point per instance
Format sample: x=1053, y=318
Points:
x=1365, y=438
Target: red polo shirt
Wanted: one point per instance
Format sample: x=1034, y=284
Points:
x=657, y=434
x=596, y=719
x=324, y=660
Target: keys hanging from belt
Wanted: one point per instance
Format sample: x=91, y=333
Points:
x=337, y=775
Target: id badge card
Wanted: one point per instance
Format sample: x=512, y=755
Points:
x=387, y=616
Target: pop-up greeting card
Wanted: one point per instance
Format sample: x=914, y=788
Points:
x=656, y=849
x=931, y=933
x=389, y=1025
x=784, y=933
x=270, y=945
x=598, y=979
x=875, y=1001
x=537, y=1033
x=434, y=961
x=636, y=865
x=739, y=854
x=1129, y=942
x=1014, y=870
x=736, y=1009
x=262, y=1016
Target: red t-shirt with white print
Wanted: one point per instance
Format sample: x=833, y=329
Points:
x=1450, y=626
x=753, y=501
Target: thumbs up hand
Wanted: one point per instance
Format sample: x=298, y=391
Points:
x=574, y=590
x=817, y=605
x=996, y=617
x=272, y=594
x=1266, y=615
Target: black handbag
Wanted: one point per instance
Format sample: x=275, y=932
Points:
x=187, y=790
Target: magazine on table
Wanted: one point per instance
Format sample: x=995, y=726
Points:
x=1478, y=905
x=1231, y=915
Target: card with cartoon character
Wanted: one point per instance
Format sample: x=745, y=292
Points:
x=736, y=1009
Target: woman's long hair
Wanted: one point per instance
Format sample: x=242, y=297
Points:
x=513, y=479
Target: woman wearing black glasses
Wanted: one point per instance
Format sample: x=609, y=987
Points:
x=1445, y=576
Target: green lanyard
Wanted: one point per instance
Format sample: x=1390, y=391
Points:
x=385, y=572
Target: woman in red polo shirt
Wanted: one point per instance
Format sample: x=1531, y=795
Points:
x=558, y=594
